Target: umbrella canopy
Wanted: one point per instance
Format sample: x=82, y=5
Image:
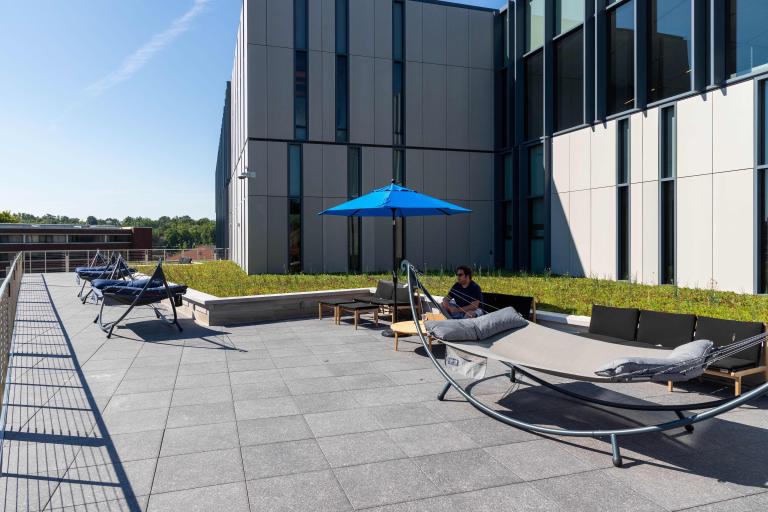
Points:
x=394, y=201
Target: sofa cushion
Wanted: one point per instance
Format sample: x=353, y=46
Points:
x=629, y=368
x=614, y=322
x=666, y=329
x=495, y=301
x=452, y=330
x=723, y=332
x=498, y=321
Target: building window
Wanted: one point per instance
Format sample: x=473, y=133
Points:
x=342, y=26
x=534, y=96
x=398, y=174
x=354, y=189
x=342, y=99
x=398, y=73
x=568, y=14
x=622, y=198
x=536, y=209
x=762, y=189
x=11, y=239
x=508, y=206
x=747, y=49
x=621, y=57
x=300, y=95
x=534, y=24
x=294, y=207
x=569, y=81
x=667, y=173
x=669, y=56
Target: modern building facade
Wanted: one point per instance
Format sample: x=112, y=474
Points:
x=620, y=139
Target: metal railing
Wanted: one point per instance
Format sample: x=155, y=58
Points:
x=9, y=298
x=68, y=260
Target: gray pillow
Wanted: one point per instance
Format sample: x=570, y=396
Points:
x=654, y=367
x=499, y=321
x=452, y=330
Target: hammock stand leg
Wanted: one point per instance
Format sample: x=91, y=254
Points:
x=512, y=375
x=688, y=428
x=441, y=395
x=616, y=451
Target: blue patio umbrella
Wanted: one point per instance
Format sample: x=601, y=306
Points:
x=394, y=201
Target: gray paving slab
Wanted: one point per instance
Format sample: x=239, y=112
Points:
x=359, y=448
x=230, y=497
x=318, y=490
x=335, y=423
x=273, y=430
x=262, y=461
x=534, y=460
x=430, y=439
x=265, y=408
x=199, y=438
x=188, y=415
x=191, y=471
x=465, y=470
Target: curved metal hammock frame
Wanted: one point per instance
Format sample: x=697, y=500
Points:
x=114, y=267
x=713, y=408
x=147, y=296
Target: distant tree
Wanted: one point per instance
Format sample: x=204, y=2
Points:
x=91, y=220
x=7, y=217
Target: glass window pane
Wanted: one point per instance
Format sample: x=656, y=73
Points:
x=747, y=36
x=342, y=25
x=342, y=102
x=762, y=219
x=569, y=81
x=621, y=58
x=353, y=173
x=763, y=134
x=534, y=96
x=398, y=166
x=534, y=24
x=623, y=238
x=398, y=34
x=623, y=151
x=294, y=170
x=300, y=95
x=668, y=143
x=300, y=24
x=397, y=103
x=294, y=235
x=669, y=66
x=667, y=232
x=568, y=14
x=536, y=171
x=508, y=177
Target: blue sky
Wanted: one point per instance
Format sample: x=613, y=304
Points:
x=114, y=108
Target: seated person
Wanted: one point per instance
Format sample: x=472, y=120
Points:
x=465, y=296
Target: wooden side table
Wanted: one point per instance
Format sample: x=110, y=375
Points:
x=408, y=328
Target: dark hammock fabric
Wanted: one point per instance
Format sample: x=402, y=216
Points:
x=92, y=269
x=127, y=291
x=90, y=274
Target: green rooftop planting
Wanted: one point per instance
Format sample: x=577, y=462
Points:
x=553, y=293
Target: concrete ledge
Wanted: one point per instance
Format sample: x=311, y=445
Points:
x=210, y=310
x=562, y=318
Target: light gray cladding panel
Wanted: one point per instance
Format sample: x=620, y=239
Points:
x=433, y=104
x=413, y=96
x=480, y=109
x=279, y=93
x=277, y=235
x=457, y=41
x=433, y=33
x=481, y=176
x=361, y=27
x=481, y=233
x=383, y=101
x=368, y=245
x=277, y=169
x=434, y=243
x=315, y=95
x=457, y=175
x=457, y=239
x=334, y=240
x=368, y=170
x=257, y=21
x=414, y=240
x=413, y=16
x=383, y=29
x=434, y=173
x=329, y=25
x=257, y=91
x=258, y=228
x=361, y=102
x=414, y=169
x=480, y=39
x=280, y=23
x=257, y=164
x=312, y=234
x=312, y=173
x=334, y=171
x=329, y=96
x=457, y=107
x=315, y=24
x=382, y=167
x=382, y=232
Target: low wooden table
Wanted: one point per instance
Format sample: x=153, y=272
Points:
x=330, y=303
x=356, y=308
x=408, y=328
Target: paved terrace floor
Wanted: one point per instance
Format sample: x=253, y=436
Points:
x=306, y=415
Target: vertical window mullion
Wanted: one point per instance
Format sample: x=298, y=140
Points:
x=667, y=191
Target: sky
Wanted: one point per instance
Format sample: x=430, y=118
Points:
x=113, y=108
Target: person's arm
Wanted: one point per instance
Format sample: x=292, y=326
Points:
x=447, y=304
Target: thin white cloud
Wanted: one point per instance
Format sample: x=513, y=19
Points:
x=138, y=59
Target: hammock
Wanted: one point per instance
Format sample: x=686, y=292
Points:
x=141, y=292
x=115, y=270
x=537, y=348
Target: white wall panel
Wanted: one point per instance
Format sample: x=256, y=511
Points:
x=561, y=163
x=257, y=21
x=580, y=159
x=279, y=93
x=580, y=223
x=334, y=240
x=480, y=39
x=361, y=100
x=603, y=233
x=433, y=34
x=457, y=107
x=312, y=234
x=481, y=176
x=733, y=244
x=733, y=114
x=694, y=231
x=603, y=155
x=480, y=109
x=457, y=175
x=383, y=29
x=434, y=174
x=457, y=239
x=636, y=148
x=481, y=227
x=315, y=99
x=257, y=91
x=315, y=24
x=361, y=27
x=651, y=232
x=257, y=227
x=413, y=94
x=329, y=25
x=457, y=41
x=651, y=145
x=413, y=18
x=335, y=171
x=694, y=136
x=280, y=23
x=329, y=97
x=636, y=232
x=562, y=241
x=277, y=169
x=277, y=235
x=382, y=120
x=433, y=104
x=312, y=173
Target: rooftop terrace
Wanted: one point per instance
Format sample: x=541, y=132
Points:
x=307, y=415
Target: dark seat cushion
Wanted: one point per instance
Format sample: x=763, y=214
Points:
x=618, y=341
x=333, y=302
x=495, y=301
x=666, y=329
x=351, y=306
x=384, y=290
x=732, y=364
x=618, y=323
x=723, y=332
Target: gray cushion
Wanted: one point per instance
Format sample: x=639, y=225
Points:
x=498, y=321
x=473, y=329
x=452, y=330
x=629, y=368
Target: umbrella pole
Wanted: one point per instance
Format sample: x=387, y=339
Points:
x=394, y=266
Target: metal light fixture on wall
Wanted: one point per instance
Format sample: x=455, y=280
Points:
x=246, y=174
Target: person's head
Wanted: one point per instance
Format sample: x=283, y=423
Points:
x=463, y=274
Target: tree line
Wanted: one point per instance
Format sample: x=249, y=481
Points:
x=183, y=231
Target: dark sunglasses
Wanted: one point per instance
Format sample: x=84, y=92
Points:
x=460, y=275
